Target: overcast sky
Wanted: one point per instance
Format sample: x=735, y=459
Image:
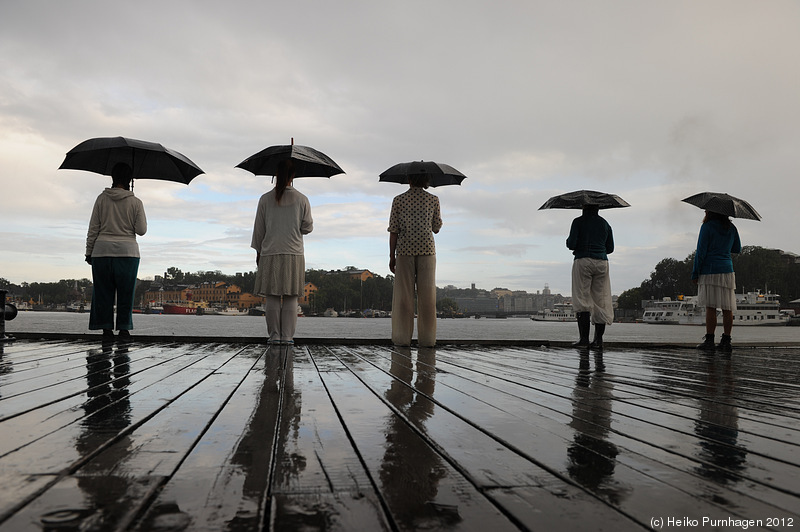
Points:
x=653, y=101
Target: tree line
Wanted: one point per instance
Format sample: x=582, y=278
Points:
x=757, y=268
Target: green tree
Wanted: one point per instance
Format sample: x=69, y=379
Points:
x=174, y=274
x=630, y=299
x=447, y=306
x=670, y=278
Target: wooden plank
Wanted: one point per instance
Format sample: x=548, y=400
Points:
x=104, y=389
x=661, y=487
x=55, y=386
x=127, y=473
x=698, y=423
x=222, y=483
x=32, y=469
x=420, y=488
x=319, y=481
x=497, y=470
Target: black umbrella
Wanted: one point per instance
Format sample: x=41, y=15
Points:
x=149, y=160
x=722, y=203
x=308, y=162
x=582, y=198
x=439, y=174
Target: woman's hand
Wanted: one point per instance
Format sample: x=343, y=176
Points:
x=392, y=263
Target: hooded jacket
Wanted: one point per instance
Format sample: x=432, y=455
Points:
x=715, y=244
x=117, y=217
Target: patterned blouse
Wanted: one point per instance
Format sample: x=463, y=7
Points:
x=415, y=217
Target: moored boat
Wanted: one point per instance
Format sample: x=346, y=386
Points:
x=174, y=308
x=753, y=308
x=559, y=312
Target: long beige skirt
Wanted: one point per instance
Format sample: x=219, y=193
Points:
x=717, y=290
x=281, y=275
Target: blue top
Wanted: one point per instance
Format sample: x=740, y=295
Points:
x=714, y=247
x=590, y=236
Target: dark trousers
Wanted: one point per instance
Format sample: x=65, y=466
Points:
x=113, y=278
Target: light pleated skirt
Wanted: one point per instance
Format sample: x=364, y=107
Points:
x=717, y=290
x=281, y=275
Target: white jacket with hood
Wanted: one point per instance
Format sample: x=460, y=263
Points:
x=118, y=216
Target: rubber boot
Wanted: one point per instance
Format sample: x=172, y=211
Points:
x=708, y=343
x=725, y=343
x=597, y=343
x=583, y=329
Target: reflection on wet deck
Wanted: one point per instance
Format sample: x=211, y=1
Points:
x=224, y=436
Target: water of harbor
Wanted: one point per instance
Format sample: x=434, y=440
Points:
x=378, y=328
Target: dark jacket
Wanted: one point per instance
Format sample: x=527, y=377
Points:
x=590, y=236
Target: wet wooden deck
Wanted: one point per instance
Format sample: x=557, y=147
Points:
x=159, y=436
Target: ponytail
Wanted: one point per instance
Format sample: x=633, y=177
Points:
x=284, y=176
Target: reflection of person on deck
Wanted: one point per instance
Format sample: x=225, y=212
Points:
x=721, y=457
x=108, y=413
x=592, y=458
x=413, y=487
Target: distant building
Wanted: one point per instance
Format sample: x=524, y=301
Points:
x=308, y=290
x=247, y=301
x=501, y=292
x=362, y=275
x=472, y=305
x=214, y=293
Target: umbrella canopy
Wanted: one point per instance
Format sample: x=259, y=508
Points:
x=582, y=198
x=308, y=162
x=149, y=160
x=722, y=203
x=438, y=173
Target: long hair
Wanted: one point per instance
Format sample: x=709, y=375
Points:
x=284, y=176
x=726, y=222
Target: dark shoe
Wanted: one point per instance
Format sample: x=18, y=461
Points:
x=708, y=343
x=725, y=343
x=125, y=336
x=597, y=343
x=583, y=329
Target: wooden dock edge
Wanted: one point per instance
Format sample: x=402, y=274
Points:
x=381, y=341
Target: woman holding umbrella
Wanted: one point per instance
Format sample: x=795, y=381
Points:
x=414, y=218
x=591, y=241
x=283, y=216
x=713, y=273
x=111, y=248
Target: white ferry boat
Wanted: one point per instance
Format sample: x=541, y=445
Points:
x=559, y=312
x=753, y=308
